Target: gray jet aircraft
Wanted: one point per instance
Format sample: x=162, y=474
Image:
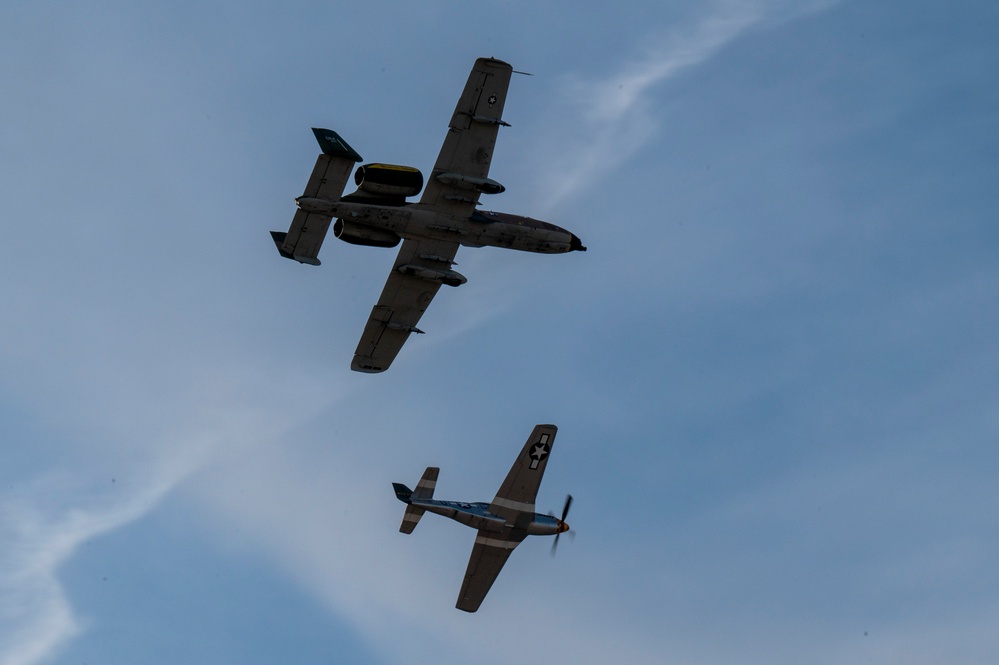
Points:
x=502, y=524
x=378, y=215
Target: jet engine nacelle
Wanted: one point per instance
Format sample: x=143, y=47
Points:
x=362, y=234
x=388, y=180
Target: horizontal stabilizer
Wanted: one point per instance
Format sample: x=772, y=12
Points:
x=410, y=519
x=424, y=492
x=413, y=513
x=305, y=236
x=425, y=488
x=279, y=240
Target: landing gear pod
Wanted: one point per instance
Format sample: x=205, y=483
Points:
x=484, y=185
x=446, y=277
x=388, y=180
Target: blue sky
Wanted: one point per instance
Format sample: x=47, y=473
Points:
x=774, y=371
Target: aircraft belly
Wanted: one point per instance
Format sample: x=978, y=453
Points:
x=472, y=515
x=396, y=220
x=420, y=223
x=414, y=222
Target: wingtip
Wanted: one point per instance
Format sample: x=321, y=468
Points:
x=495, y=61
x=364, y=366
x=466, y=608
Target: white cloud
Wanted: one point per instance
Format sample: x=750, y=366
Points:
x=35, y=613
x=153, y=440
x=614, y=116
x=615, y=113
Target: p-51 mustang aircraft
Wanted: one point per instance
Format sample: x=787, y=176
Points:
x=378, y=215
x=502, y=524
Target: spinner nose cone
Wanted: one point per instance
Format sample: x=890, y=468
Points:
x=562, y=527
x=575, y=244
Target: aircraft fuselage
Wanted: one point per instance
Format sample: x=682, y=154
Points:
x=477, y=516
x=481, y=229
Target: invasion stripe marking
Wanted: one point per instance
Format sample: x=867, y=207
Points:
x=495, y=542
x=514, y=505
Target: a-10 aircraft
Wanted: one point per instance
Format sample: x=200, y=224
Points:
x=502, y=524
x=378, y=215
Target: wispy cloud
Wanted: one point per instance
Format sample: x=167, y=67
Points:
x=43, y=521
x=615, y=115
x=35, y=613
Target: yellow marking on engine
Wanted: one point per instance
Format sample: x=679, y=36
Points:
x=394, y=167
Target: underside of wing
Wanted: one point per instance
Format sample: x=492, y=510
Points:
x=488, y=556
x=420, y=269
x=460, y=173
x=520, y=488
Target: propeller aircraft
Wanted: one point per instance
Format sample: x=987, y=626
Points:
x=502, y=524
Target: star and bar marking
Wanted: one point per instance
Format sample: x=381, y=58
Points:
x=539, y=451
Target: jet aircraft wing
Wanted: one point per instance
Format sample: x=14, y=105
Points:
x=517, y=493
x=463, y=163
x=453, y=188
x=489, y=554
x=403, y=301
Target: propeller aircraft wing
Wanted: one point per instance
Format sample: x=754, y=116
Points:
x=515, y=502
x=517, y=493
x=489, y=553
